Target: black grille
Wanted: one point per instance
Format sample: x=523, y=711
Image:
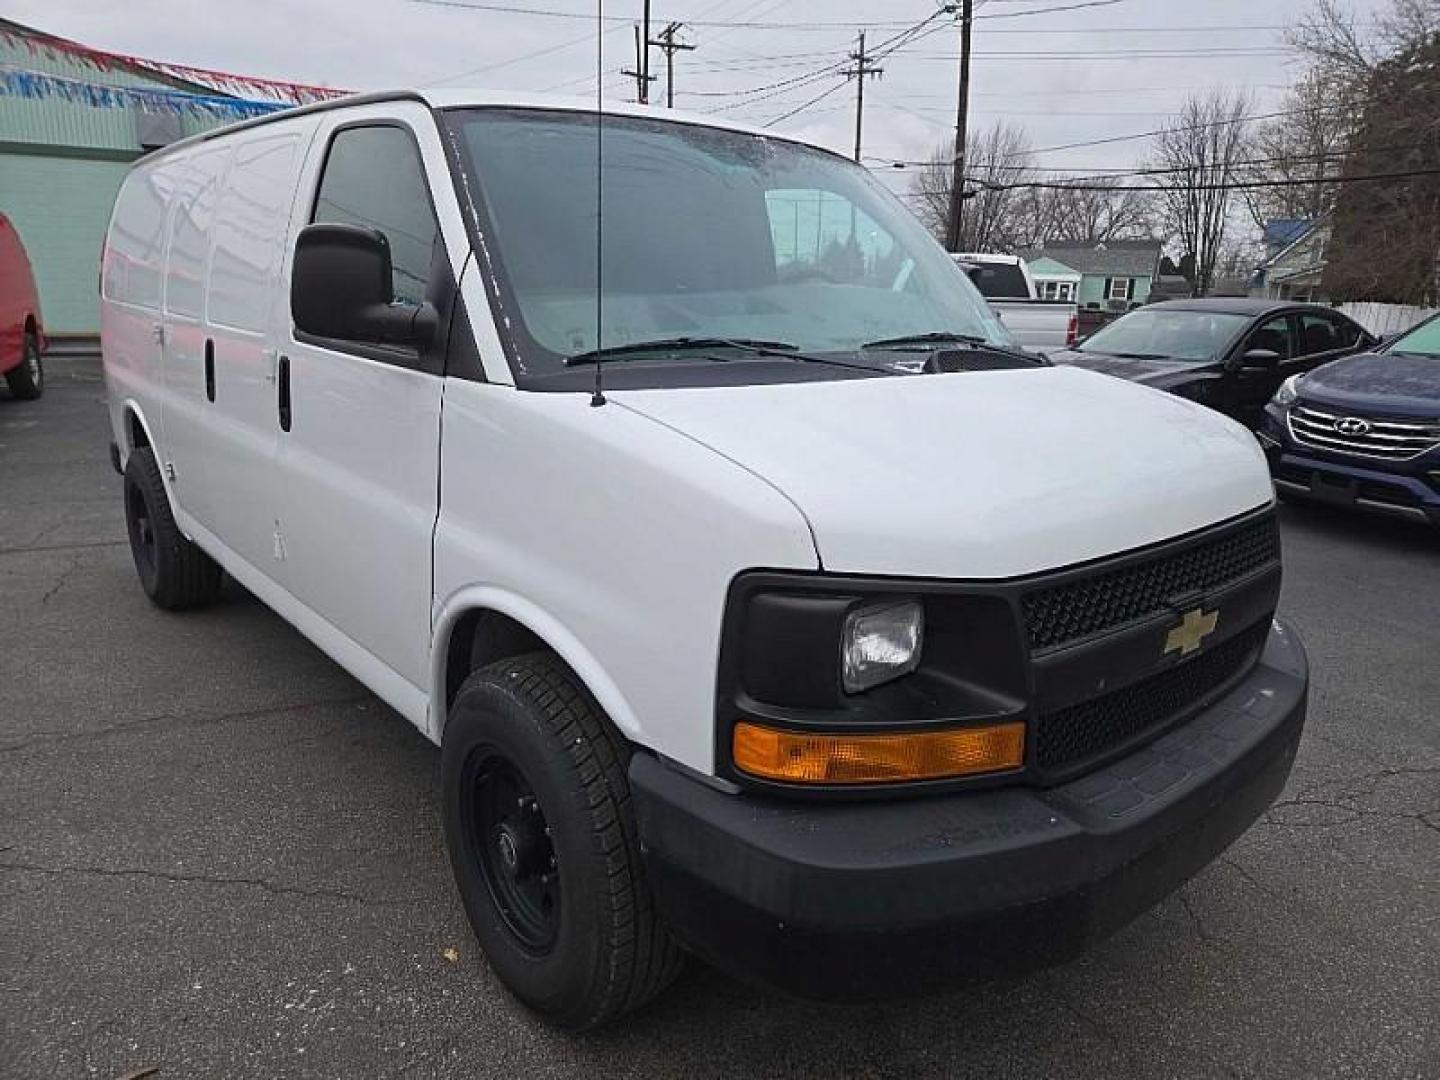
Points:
x=1060, y=614
x=1091, y=729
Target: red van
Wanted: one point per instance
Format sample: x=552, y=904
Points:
x=22, y=333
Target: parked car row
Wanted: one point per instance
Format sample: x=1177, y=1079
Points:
x=1343, y=418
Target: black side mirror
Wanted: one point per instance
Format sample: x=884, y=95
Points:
x=341, y=287
x=1260, y=359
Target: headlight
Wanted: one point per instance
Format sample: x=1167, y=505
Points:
x=1288, y=392
x=880, y=643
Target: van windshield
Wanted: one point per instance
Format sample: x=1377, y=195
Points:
x=708, y=235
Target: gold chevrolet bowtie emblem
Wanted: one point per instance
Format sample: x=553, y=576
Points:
x=1192, y=632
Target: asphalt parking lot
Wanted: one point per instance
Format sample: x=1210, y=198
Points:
x=220, y=855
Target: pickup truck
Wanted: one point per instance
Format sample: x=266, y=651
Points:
x=1036, y=324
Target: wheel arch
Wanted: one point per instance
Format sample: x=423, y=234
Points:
x=137, y=429
x=139, y=434
x=507, y=624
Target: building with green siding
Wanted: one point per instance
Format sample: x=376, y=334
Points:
x=1113, y=275
x=61, y=163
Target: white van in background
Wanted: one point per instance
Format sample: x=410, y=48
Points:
x=764, y=602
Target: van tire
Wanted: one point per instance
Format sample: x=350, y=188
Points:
x=606, y=951
x=174, y=573
x=27, y=381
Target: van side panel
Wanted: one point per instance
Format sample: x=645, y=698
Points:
x=613, y=538
x=242, y=299
x=186, y=400
x=131, y=277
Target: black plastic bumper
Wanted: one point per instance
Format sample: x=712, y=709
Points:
x=862, y=900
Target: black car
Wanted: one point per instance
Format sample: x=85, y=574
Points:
x=1364, y=431
x=1231, y=355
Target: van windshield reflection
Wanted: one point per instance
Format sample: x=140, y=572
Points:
x=708, y=235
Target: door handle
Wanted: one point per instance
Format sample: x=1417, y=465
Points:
x=210, y=370
x=157, y=331
x=283, y=393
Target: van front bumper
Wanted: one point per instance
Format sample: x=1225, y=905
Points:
x=868, y=899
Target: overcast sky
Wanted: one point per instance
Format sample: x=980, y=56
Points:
x=1104, y=69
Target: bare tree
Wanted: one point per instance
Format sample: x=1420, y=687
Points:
x=996, y=160
x=1330, y=35
x=1301, y=153
x=1385, y=240
x=1007, y=212
x=1200, y=151
x=1092, y=211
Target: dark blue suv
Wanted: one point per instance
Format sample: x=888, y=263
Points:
x=1363, y=431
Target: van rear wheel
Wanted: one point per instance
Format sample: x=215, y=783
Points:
x=174, y=573
x=27, y=382
x=542, y=839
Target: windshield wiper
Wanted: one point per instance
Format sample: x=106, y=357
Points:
x=934, y=337
x=782, y=349
x=679, y=344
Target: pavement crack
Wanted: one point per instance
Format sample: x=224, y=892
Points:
x=61, y=580
x=179, y=718
x=1091, y=1022
x=1255, y=882
x=189, y=879
x=36, y=548
x=1203, y=934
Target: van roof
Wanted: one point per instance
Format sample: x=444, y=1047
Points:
x=459, y=98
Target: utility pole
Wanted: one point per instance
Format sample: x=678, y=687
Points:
x=641, y=74
x=646, y=80
x=864, y=69
x=667, y=43
x=962, y=127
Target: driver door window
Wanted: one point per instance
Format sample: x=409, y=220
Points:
x=1321, y=333
x=373, y=177
x=1276, y=335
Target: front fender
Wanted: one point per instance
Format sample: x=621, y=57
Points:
x=543, y=625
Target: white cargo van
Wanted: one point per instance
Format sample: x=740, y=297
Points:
x=828, y=638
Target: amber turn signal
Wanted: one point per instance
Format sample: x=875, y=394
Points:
x=799, y=758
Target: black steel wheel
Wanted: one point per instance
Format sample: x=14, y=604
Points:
x=509, y=839
x=542, y=840
x=141, y=527
x=174, y=573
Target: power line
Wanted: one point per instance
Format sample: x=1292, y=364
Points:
x=816, y=25
x=1234, y=185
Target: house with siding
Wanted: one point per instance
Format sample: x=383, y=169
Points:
x=1294, y=270
x=1108, y=275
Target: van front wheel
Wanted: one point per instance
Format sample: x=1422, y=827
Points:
x=542, y=840
x=174, y=573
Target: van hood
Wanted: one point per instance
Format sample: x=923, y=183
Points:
x=979, y=474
